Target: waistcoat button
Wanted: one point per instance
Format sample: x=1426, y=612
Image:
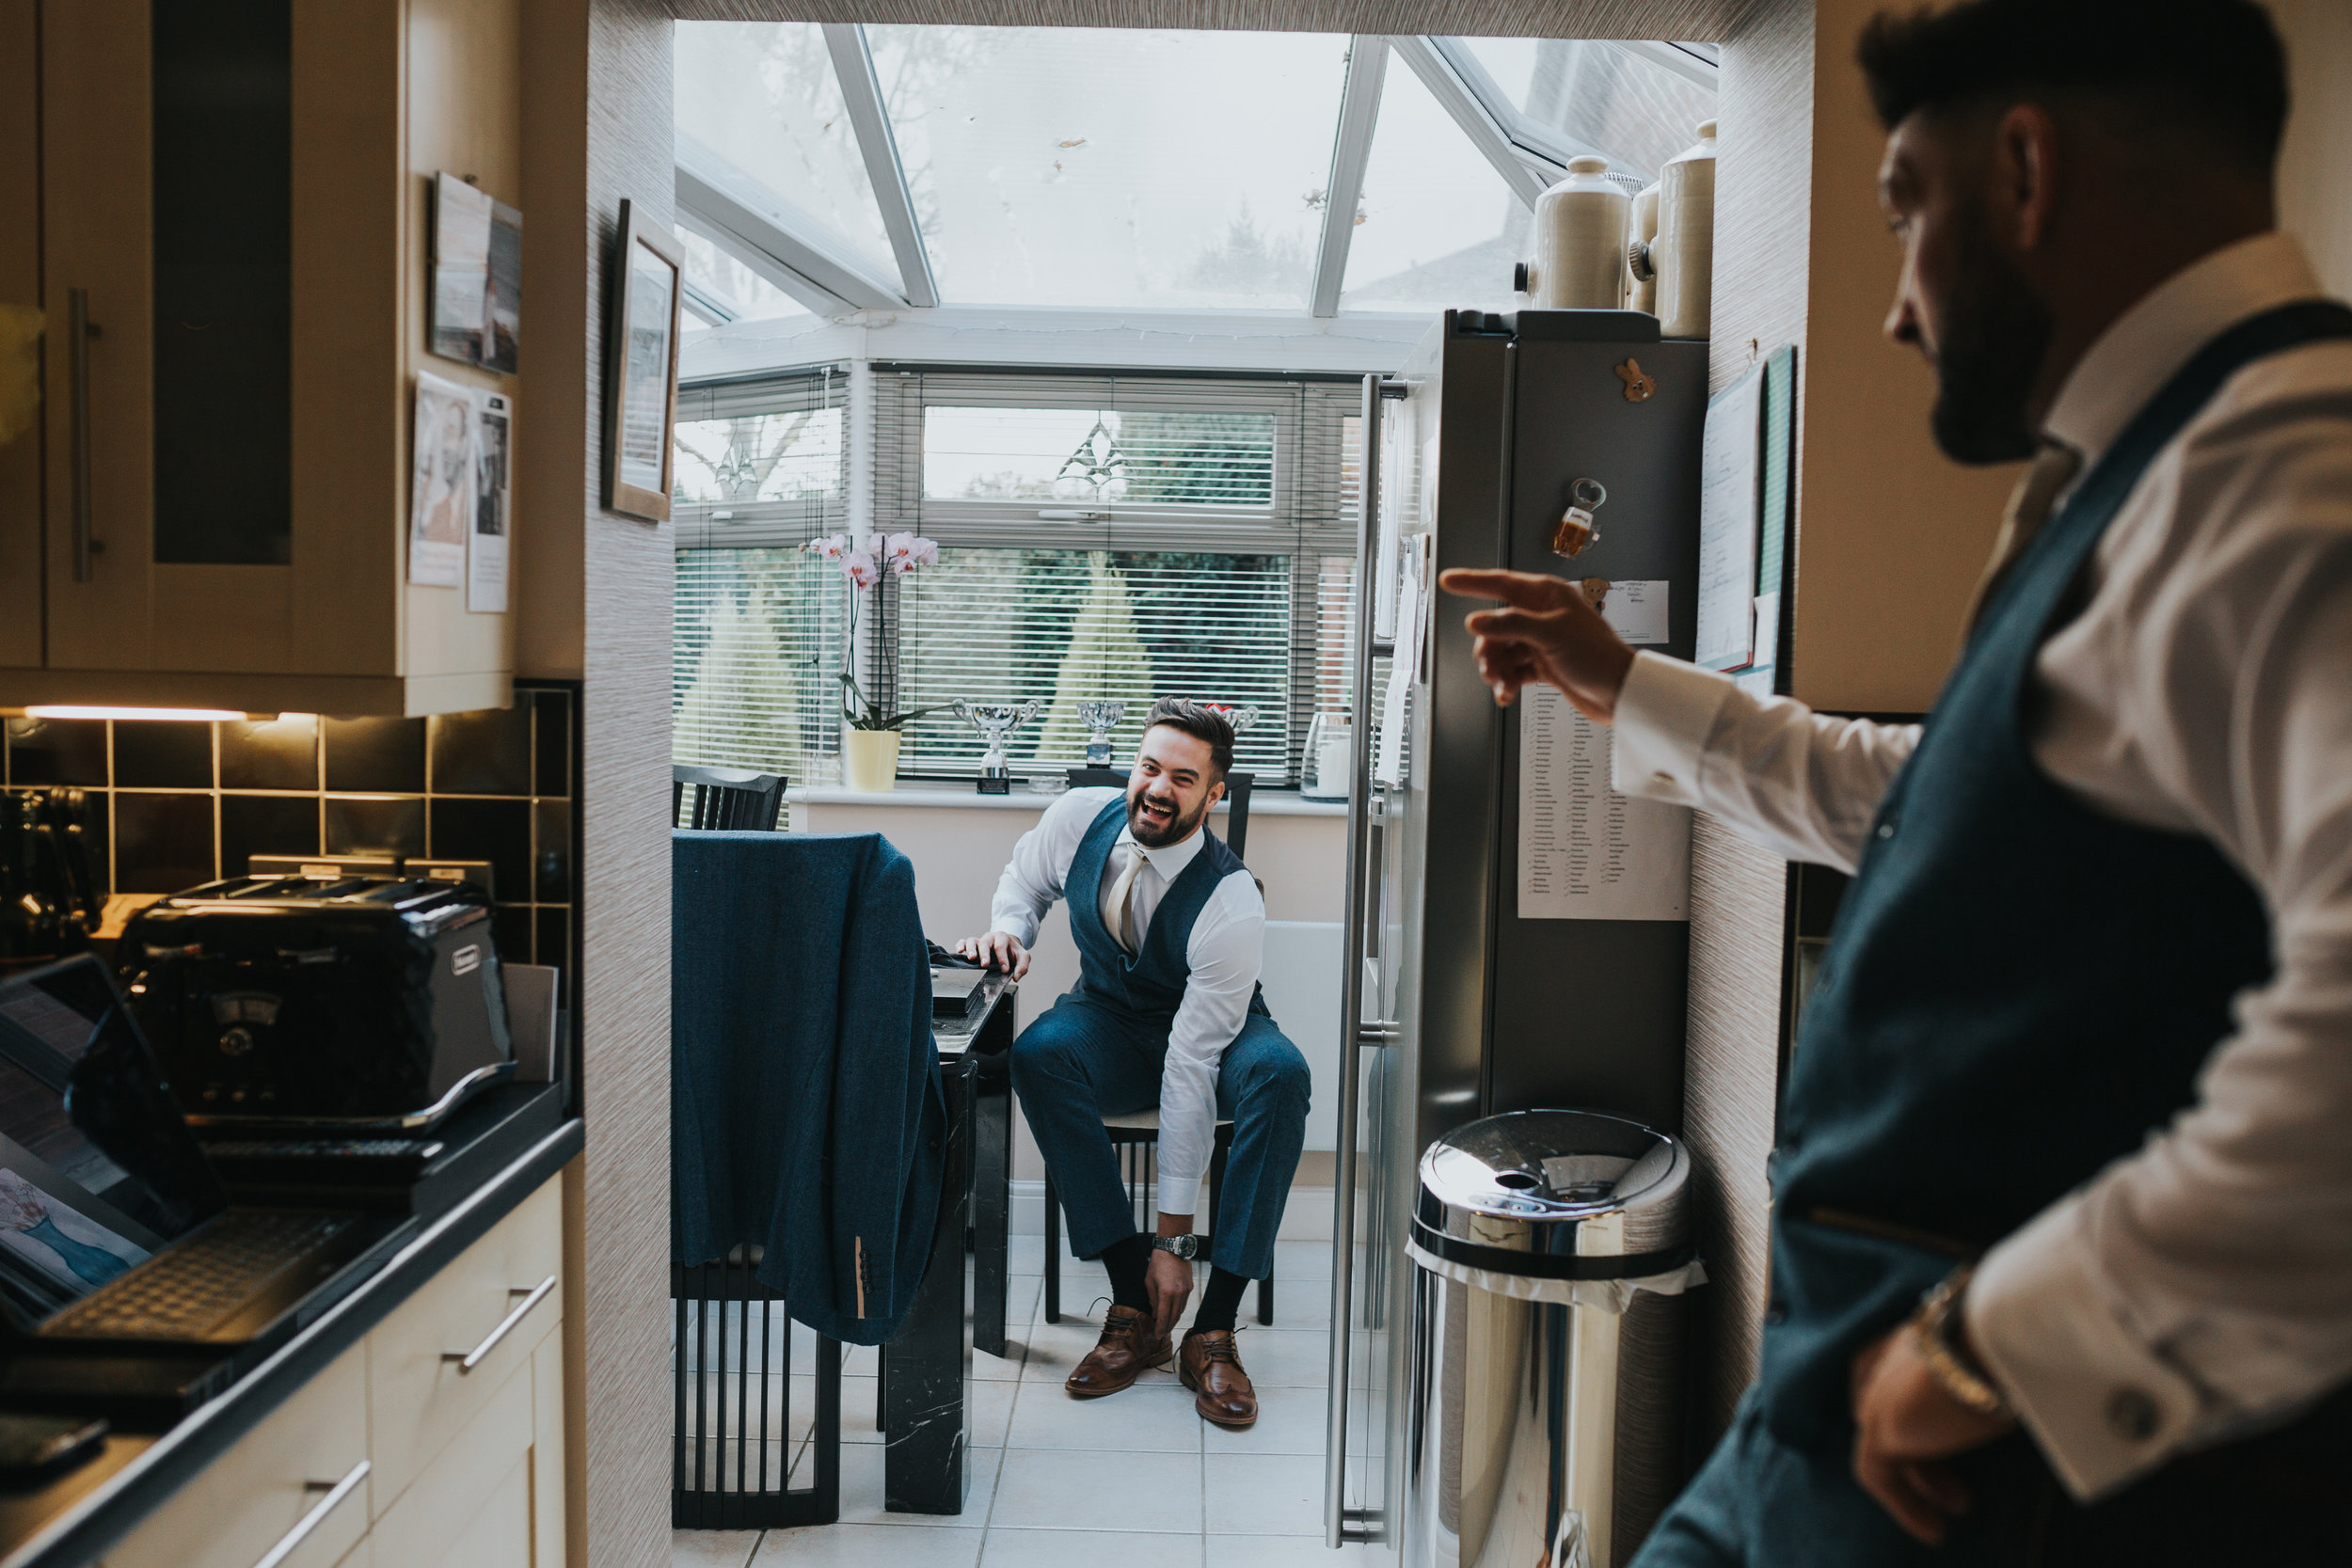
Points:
x=2132, y=1415
x=1887, y=829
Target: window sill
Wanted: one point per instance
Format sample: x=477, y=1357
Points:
x=1262, y=802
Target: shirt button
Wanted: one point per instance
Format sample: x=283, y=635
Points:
x=1662, y=776
x=1887, y=829
x=2132, y=1415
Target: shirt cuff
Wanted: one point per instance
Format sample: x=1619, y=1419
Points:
x=2104, y=1407
x=1024, y=935
x=1665, y=712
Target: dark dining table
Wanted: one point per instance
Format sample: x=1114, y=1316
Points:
x=927, y=1366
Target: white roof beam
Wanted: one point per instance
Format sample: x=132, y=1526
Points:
x=708, y=303
x=1687, y=64
x=861, y=91
x=1485, y=131
x=1359, y=116
x=773, y=238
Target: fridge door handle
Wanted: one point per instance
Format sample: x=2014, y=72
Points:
x=1337, y=1516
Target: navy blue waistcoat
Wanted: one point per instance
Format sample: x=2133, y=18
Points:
x=1149, y=984
x=2018, y=988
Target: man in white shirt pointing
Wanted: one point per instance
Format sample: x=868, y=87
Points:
x=1171, y=933
x=2062, y=1200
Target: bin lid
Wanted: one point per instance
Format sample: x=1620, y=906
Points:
x=1571, y=1194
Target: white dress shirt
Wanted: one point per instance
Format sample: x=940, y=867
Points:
x=1226, y=948
x=2206, y=688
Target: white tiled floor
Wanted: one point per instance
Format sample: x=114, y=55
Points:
x=1134, y=1481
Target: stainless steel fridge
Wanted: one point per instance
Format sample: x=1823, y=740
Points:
x=1455, y=1005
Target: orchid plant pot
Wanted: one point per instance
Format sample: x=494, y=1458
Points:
x=869, y=760
x=870, y=722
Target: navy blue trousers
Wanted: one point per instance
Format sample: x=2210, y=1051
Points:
x=2275, y=1501
x=1084, y=1060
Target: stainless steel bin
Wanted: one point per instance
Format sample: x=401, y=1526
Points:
x=1550, y=1250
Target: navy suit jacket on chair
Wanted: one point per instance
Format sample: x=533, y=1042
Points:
x=807, y=1115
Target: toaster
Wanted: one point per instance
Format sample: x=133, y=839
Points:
x=338, y=1006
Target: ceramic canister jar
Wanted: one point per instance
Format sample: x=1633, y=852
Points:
x=1579, y=241
x=1684, y=251
x=1641, y=278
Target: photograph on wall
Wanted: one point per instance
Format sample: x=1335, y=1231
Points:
x=441, y=488
x=641, y=375
x=477, y=277
x=461, y=268
x=487, y=544
x=502, y=306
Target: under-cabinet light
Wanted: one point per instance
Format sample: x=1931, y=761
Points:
x=80, y=710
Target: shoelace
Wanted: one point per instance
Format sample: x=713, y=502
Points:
x=1219, y=1347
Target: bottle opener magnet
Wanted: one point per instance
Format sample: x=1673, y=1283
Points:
x=1577, y=529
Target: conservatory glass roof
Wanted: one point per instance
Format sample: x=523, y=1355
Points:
x=835, y=169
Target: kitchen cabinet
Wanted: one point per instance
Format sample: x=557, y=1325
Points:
x=233, y=267
x=450, y=1413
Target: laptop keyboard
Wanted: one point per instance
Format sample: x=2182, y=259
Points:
x=181, y=1293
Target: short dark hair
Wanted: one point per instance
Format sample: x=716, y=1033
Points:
x=1198, y=721
x=2213, y=67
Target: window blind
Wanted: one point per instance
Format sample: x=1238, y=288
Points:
x=762, y=468
x=1125, y=536
x=1121, y=536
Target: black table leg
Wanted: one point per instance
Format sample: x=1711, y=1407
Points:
x=928, y=1373
x=992, y=1206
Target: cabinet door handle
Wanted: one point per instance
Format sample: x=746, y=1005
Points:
x=80, y=331
x=467, y=1360
x=336, y=1492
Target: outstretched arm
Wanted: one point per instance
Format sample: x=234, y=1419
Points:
x=1800, y=784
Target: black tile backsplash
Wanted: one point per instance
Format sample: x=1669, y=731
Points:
x=183, y=804
x=494, y=831
x=276, y=754
x=163, y=843
x=486, y=752
x=551, y=838
x=389, y=826
x=161, y=754
x=551, y=744
x=254, y=825
x=374, y=755
x=58, y=751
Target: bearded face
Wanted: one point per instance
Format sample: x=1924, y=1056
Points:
x=1172, y=788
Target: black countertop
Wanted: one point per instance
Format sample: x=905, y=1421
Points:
x=72, y=1521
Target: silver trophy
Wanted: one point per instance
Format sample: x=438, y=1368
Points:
x=996, y=721
x=1240, y=718
x=1101, y=716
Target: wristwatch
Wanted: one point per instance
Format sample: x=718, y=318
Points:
x=1936, y=1327
x=1186, y=1247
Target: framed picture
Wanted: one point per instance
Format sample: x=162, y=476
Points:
x=641, y=368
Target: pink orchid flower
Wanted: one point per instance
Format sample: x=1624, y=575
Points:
x=831, y=548
x=859, y=568
x=903, y=553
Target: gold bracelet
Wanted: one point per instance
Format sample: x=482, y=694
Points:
x=1932, y=1330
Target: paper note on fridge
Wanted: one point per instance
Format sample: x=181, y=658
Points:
x=1586, y=851
x=1729, y=454
x=1637, y=610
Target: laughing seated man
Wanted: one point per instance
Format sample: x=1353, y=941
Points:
x=1170, y=932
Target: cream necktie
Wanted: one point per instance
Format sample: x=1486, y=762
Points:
x=2029, y=507
x=1122, y=903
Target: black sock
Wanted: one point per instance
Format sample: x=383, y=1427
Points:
x=1126, y=1259
x=1221, y=1302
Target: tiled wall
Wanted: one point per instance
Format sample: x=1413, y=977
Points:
x=175, y=804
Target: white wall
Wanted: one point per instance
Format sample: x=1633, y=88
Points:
x=960, y=842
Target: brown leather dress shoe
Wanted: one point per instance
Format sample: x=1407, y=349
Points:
x=1211, y=1367
x=1119, y=1357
